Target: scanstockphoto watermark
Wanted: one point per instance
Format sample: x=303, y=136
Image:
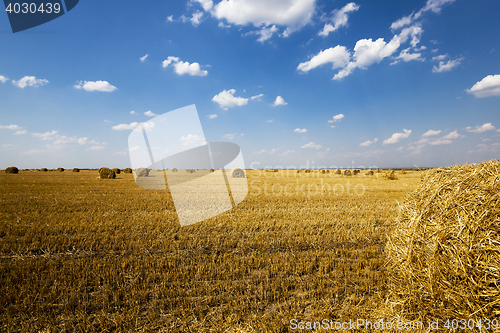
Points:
x=356, y=324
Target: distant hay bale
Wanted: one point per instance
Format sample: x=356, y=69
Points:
x=322, y=171
x=106, y=173
x=237, y=173
x=60, y=169
x=369, y=173
x=356, y=172
x=347, y=172
x=338, y=172
x=212, y=170
x=275, y=170
x=298, y=171
x=44, y=169
x=390, y=175
x=76, y=170
x=116, y=170
x=443, y=254
x=12, y=170
x=174, y=170
x=127, y=170
x=327, y=170
x=190, y=170
x=142, y=172
x=308, y=170
x=403, y=172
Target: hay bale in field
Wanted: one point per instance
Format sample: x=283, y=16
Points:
x=60, y=169
x=356, y=172
x=237, y=173
x=76, y=170
x=174, y=170
x=403, y=172
x=142, y=172
x=212, y=170
x=106, y=173
x=44, y=169
x=12, y=170
x=127, y=170
x=443, y=255
x=190, y=170
x=369, y=173
x=390, y=175
x=275, y=170
x=347, y=172
x=116, y=170
x=322, y=171
x=338, y=172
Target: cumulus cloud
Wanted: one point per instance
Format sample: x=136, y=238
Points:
x=481, y=129
x=230, y=136
x=431, y=133
x=184, y=67
x=33, y=152
x=439, y=57
x=487, y=87
x=29, y=81
x=46, y=136
x=265, y=33
x=123, y=127
x=397, y=136
x=431, y=5
x=212, y=116
x=368, y=143
x=192, y=140
x=103, y=86
x=292, y=15
x=11, y=127
x=406, y=56
x=97, y=148
x=298, y=130
x=170, y=18
x=150, y=114
x=133, y=112
x=195, y=19
x=269, y=120
x=336, y=118
x=288, y=152
x=206, y=4
x=21, y=132
x=144, y=57
x=338, y=56
x=279, y=101
x=338, y=19
x=446, y=66
x=264, y=151
x=257, y=97
x=226, y=99
x=3, y=79
x=447, y=139
x=312, y=145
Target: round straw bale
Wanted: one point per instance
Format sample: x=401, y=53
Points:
x=237, y=173
x=60, y=169
x=44, y=169
x=190, y=170
x=403, y=172
x=390, y=175
x=322, y=171
x=369, y=173
x=338, y=172
x=347, y=172
x=106, y=173
x=12, y=170
x=356, y=172
x=443, y=254
x=275, y=170
x=127, y=170
x=142, y=172
x=212, y=170
x=174, y=170
x=116, y=170
x=76, y=170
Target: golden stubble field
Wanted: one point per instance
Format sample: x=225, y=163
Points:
x=83, y=254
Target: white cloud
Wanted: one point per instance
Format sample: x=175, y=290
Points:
x=33, y=152
x=11, y=127
x=288, y=152
x=29, y=81
x=439, y=57
x=144, y=57
x=263, y=151
x=150, y=114
x=133, y=112
x=481, y=129
x=397, y=136
x=446, y=67
x=279, y=101
x=107, y=121
x=336, y=118
x=339, y=18
x=441, y=141
x=46, y=136
x=454, y=135
x=97, y=148
x=192, y=140
x=266, y=33
x=368, y=143
x=338, y=56
x=488, y=86
x=123, y=127
x=206, y=4
x=3, y=79
x=298, y=130
x=311, y=145
x=432, y=5
x=269, y=120
x=8, y=145
x=406, y=56
x=184, y=67
x=226, y=99
x=21, y=132
x=257, y=97
x=195, y=19
x=292, y=14
x=431, y=133
x=170, y=18
x=212, y=116
x=230, y=136
x=103, y=86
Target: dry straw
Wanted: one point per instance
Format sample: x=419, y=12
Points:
x=60, y=169
x=237, y=173
x=356, y=172
x=106, y=173
x=338, y=172
x=444, y=251
x=403, y=172
x=44, y=169
x=369, y=173
x=76, y=170
x=142, y=172
x=347, y=172
x=390, y=175
x=127, y=170
x=116, y=170
x=174, y=170
x=12, y=170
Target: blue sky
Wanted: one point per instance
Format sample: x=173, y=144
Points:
x=293, y=82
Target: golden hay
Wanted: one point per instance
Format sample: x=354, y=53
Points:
x=369, y=173
x=174, y=170
x=347, y=172
x=142, y=172
x=322, y=171
x=44, y=169
x=12, y=170
x=391, y=175
x=116, y=170
x=338, y=172
x=237, y=173
x=106, y=173
x=60, y=169
x=212, y=170
x=356, y=172
x=76, y=170
x=190, y=170
x=127, y=170
x=403, y=172
x=275, y=170
x=444, y=251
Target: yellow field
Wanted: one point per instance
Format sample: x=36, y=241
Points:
x=82, y=254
